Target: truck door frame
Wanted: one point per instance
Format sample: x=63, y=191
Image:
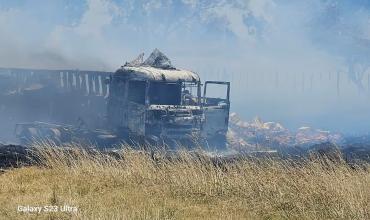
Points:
x=216, y=116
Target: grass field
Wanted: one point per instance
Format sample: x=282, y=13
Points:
x=188, y=186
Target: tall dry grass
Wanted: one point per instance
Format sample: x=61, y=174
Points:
x=140, y=185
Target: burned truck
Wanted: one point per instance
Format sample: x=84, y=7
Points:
x=143, y=101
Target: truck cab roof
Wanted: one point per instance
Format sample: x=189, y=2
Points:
x=157, y=74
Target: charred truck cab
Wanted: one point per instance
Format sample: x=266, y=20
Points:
x=153, y=100
x=155, y=103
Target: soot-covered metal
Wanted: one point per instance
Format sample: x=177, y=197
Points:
x=143, y=101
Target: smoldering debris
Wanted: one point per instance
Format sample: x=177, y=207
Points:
x=14, y=156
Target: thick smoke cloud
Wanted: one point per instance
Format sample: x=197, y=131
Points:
x=264, y=43
x=100, y=33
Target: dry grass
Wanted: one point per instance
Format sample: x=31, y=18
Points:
x=185, y=187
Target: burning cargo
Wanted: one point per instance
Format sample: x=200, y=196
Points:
x=142, y=101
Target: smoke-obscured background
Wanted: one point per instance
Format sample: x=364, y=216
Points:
x=294, y=62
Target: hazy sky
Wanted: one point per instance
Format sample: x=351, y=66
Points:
x=290, y=52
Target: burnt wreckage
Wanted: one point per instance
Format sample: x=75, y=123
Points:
x=142, y=101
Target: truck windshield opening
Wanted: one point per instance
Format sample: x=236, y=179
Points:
x=165, y=93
